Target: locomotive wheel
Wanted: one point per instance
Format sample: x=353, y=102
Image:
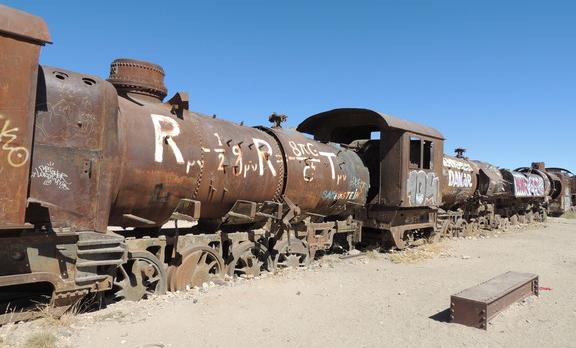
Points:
x=502, y=223
x=437, y=234
x=470, y=229
x=139, y=278
x=250, y=259
x=459, y=228
x=514, y=220
x=483, y=224
x=199, y=265
x=446, y=229
x=295, y=254
x=170, y=272
x=522, y=219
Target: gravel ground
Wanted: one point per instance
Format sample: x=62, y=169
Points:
x=375, y=300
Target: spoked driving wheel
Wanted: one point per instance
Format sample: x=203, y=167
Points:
x=471, y=229
x=199, y=265
x=250, y=259
x=543, y=216
x=458, y=229
x=293, y=254
x=139, y=278
x=514, y=220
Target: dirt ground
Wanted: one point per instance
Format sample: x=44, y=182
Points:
x=376, y=300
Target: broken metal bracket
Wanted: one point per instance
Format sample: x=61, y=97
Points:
x=180, y=102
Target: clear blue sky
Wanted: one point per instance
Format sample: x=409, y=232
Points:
x=496, y=77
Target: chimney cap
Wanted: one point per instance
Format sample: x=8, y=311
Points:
x=136, y=76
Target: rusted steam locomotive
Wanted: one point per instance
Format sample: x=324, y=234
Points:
x=81, y=154
x=110, y=190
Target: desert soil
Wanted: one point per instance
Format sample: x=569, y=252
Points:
x=375, y=300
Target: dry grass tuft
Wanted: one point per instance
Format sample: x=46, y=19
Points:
x=373, y=254
x=43, y=339
x=569, y=215
x=57, y=317
x=420, y=253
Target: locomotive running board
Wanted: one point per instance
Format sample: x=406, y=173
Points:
x=475, y=306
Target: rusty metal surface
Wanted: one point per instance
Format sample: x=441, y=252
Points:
x=135, y=76
x=23, y=26
x=324, y=179
x=525, y=184
x=20, y=38
x=346, y=125
x=405, y=164
x=167, y=159
x=537, y=182
x=459, y=180
x=419, y=185
x=529, y=185
x=114, y=153
x=75, y=163
x=395, y=179
x=563, y=193
x=475, y=306
x=491, y=182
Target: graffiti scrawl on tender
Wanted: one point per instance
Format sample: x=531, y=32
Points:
x=423, y=188
x=17, y=156
x=52, y=176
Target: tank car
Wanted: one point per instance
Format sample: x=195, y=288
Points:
x=111, y=191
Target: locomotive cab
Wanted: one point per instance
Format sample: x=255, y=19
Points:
x=405, y=164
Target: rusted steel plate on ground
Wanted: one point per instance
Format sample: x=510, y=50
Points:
x=475, y=306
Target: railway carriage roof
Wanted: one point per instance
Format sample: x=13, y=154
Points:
x=346, y=125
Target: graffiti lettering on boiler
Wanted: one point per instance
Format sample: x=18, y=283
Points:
x=459, y=179
x=423, y=188
x=459, y=173
x=528, y=185
x=167, y=129
x=308, y=153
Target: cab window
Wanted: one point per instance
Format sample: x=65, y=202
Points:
x=427, y=155
x=415, y=152
x=421, y=153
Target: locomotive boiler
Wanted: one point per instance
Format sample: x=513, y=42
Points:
x=478, y=195
x=562, y=183
x=112, y=192
x=82, y=154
